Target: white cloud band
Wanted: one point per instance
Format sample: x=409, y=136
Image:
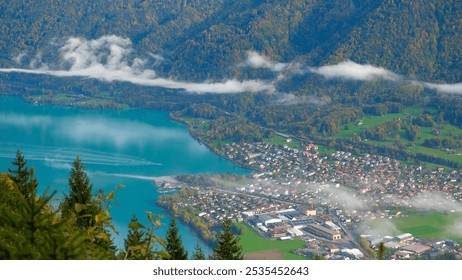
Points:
x=107, y=59
x=350, y=70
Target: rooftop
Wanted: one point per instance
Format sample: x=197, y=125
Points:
x=417, y=248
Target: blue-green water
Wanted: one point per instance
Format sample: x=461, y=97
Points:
x=117, y=147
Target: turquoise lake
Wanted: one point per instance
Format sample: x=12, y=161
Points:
x=127, y=148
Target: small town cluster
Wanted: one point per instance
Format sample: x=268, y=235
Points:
x=329, y=200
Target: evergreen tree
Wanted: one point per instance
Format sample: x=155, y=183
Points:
x=21, y=173
x=135, y=244
x=30, y=229
x=381, y=254
x=23, y=177
x=174, y=244
x=100, y=222
x=9, y=193
x=198, y=253
x=134, y=235
x=141, y=243
x=89, y=212
x=228, y=247
x=79, y=199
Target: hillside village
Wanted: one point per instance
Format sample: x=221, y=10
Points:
x=326, y=200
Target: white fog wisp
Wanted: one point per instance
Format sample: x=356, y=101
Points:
x=256, y=60
x=108, y=58
x=350, y=70
x=111, y=58
x=445, y=88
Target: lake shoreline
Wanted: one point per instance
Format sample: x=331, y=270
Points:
x=117, y=149
x=85, y=104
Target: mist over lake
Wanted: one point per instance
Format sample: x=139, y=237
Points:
x=128, y=148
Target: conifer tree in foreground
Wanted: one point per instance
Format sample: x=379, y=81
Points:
x=89, y=212
x=30, y=228
x=141, y=243
x=228, y=247
x=23, y=177
x=136, y=243
x=134, y=237
x=175, y=246
x=79, y=199
x=198, y=253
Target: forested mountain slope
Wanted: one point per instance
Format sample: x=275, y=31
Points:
x=205, y=39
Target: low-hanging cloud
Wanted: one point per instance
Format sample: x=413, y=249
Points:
x=350, y=70
x=435, y=201
x=339, y=196
x=455, y=229
x=108, y=59
x=445, y=88
x=256, y=60
x=346, y=70
x=283, y=70
x=292, y=99
x=382, y=227
x=347, y=199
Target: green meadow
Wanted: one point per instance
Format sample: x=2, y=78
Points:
x=430, y=225
x=252, y=243
x=445, y=131
x=279, y=140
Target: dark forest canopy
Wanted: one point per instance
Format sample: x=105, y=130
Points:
x=205, y=39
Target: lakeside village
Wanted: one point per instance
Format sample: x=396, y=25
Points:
x=327, y=201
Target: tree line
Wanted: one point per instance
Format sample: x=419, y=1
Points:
x=79, y=226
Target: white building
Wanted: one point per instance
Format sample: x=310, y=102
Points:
x=333, y=226
x=269, y=219
x=295, y=232
x=355, y=253
x=404, y=237
x=263, y=228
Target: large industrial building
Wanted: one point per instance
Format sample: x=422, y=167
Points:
x=323, y=232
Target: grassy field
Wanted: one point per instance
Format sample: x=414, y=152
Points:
x=252, y=243
x=367, y=122
x=203, y=124
x=279, y=140
x=80, y=101
x=446, y=131
x=433, y=225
